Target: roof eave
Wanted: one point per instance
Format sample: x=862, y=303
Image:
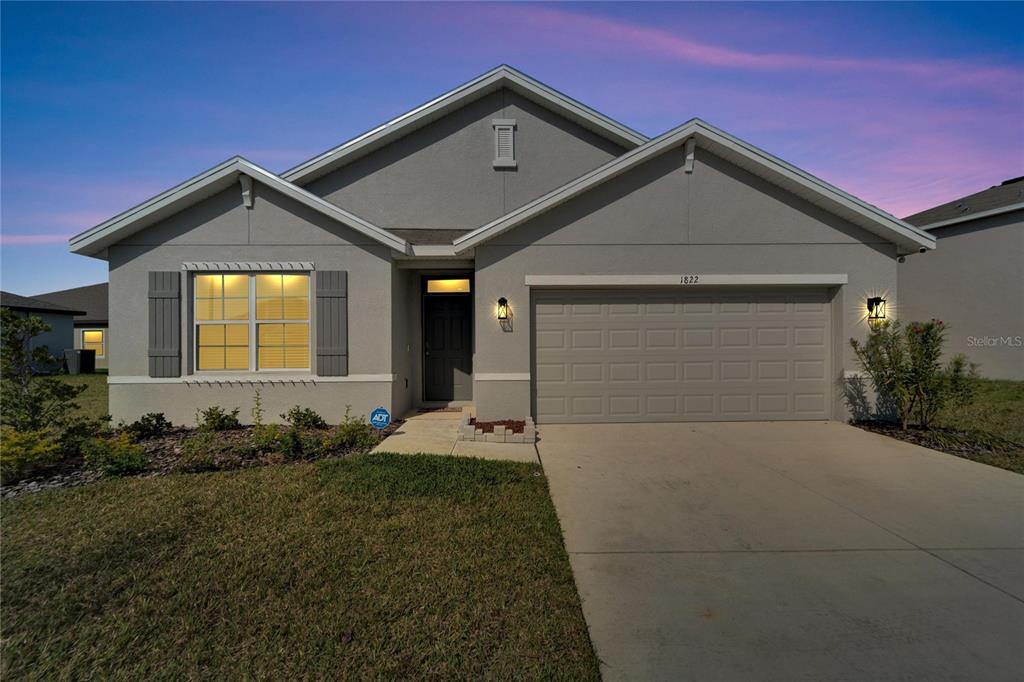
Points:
x=907, y=237
x=454, y=99
x=95, y=241
x=1009, y=208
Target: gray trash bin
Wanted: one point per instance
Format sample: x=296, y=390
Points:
x=80, y=361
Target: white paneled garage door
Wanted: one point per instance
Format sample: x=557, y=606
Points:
x=658, y=355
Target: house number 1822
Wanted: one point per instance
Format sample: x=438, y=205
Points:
x=689, y=279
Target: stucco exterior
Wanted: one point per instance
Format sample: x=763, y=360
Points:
x=974, y=282
x=676, y=209
x=658, y=219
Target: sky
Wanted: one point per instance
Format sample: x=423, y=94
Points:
x=104, y=105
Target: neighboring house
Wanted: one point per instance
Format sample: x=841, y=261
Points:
x=60, y=318
x=90, y=326
x=507, y=246
x=974, y=280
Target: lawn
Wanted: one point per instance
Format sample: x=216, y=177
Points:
x=998, y=409
x=93, y=401
x=376, y=566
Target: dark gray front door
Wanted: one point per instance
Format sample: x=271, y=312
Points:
x=447, y=347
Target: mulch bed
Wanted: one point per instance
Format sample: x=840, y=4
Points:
x=513, y=425
x=164, y=454
x=952, y=441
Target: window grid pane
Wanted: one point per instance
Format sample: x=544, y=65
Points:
x=279, y=299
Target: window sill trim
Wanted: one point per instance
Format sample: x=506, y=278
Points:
x=252, y=379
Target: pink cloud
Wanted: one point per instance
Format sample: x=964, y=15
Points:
x=602, y=34
x=33, y=239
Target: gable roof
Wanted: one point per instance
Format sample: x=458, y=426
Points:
x=92, y=299
x=1003, y=198
x=503, y=76
x=27, y=303
x=93, y=242
x=736, y=151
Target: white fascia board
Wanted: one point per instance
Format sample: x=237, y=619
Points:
x=453, y=99
x=94, y=241
x=881, y=223
x=974, y=216
x=685, y=280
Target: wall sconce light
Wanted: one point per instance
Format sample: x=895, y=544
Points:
x=876, y=310
x=502, y=308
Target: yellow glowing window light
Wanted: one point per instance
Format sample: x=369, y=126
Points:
x=92, y=339
x=447, y=286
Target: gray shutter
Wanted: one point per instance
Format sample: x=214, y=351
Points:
x=165, y=324
x=332, y=323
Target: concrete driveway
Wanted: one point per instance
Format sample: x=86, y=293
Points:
x=789, y=551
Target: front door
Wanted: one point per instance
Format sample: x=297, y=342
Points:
x=447, y=347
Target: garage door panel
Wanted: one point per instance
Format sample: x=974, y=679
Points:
x=677, y=356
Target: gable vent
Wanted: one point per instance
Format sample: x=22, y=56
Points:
x=504, y=142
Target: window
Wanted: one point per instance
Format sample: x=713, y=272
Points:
x=252, y=321
x=504, y=142
x=95, y=339
x=447, y=286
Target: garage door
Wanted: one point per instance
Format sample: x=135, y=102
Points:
x=637, y=355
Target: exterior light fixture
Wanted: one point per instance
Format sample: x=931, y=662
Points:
x=502, y=308
x=876, y=310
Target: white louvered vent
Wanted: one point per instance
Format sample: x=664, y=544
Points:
x=504, y=142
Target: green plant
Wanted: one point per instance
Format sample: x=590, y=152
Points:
x=25, y=453
x=304, y=418
x=206, y=451
x=265, y=438
x=352, y=434
x=117, y=456
x=904, y=366
x=78, y=430
x=29, y=402
x=216, y=418
x=150, y=425
x=257, y=409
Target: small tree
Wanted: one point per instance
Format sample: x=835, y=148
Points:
x=904, y=365
x=29, y=402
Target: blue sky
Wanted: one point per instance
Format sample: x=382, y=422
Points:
x=105, y=105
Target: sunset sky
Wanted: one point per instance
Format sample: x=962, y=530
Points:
x=105, y=105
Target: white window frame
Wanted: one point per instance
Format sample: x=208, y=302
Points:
x=81, y=339
x=252, y=323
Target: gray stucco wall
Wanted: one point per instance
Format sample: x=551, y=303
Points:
x=974, y=282
x=220, y=228
x=657, y=219
x=441, y=176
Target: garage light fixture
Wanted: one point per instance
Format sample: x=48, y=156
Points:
x=876, y=310
x=502, y=308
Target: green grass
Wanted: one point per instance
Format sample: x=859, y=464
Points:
x=378, y=566
x=93, y=401
x=998, y=409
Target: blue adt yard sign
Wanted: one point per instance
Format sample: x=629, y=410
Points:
x=380, y=418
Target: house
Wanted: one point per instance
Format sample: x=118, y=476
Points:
x=974, y=281
x=59, y=318
x=90, y=326
x=506, y=246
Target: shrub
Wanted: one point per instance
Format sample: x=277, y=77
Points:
x=904, y=366
x=30, y=402
x=78, y=430
x=352, y=434
x=205, y=451
x=265, y=438
x=150, y=425
x=216, y=418
x=304, y=418
x=116, y=456
x=25, y=453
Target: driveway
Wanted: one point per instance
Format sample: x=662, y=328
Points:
x=788, y=551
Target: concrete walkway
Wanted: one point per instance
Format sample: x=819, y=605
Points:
x=789, y=551
x=437, y=433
